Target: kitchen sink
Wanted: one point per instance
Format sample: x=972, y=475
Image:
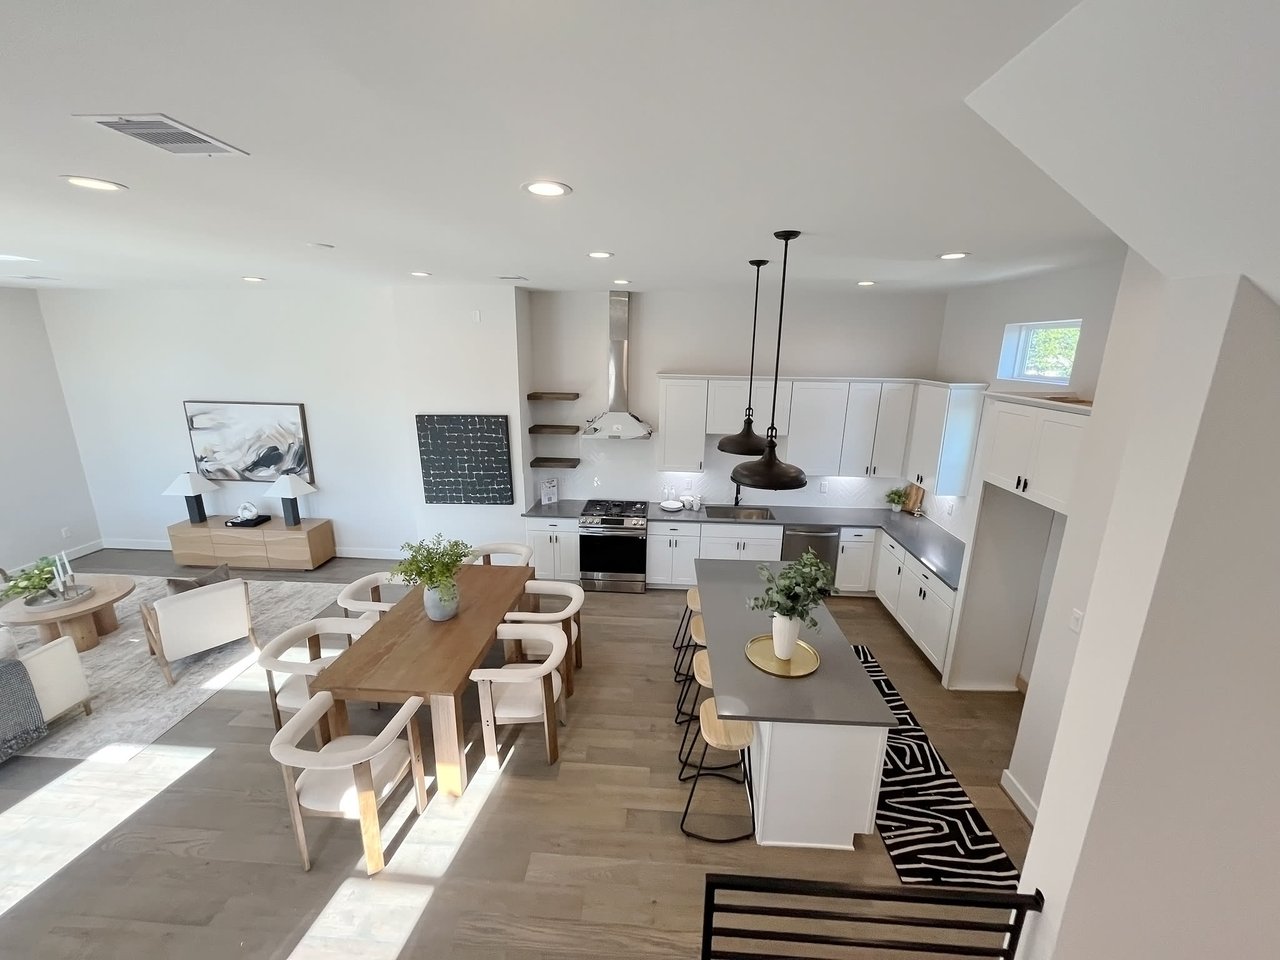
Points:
x=738, y=513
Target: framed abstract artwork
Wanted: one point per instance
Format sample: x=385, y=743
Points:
x=233, y=440
x=466, y=458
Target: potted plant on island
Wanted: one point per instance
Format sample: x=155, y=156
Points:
x=896, y=498
x=434, y=564
x=791, y=595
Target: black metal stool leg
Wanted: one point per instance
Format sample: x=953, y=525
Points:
x=680, y=630
x=689, y=803
x=684, y=715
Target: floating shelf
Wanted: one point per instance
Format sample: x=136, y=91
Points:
x=556, y=429
x=553, y=395
x=555, y=463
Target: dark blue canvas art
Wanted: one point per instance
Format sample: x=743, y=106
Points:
x=466, y=458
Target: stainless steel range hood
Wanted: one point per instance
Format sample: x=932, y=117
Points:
x=618, y=422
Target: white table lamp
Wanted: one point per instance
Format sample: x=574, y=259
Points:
x=289, y=487
x=192, y=486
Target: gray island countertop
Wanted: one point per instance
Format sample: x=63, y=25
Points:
x=839, y=692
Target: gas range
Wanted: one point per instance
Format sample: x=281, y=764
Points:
x=612, y=545
x=608, y=516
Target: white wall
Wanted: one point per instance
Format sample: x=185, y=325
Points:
x=973, y=327
x=363, y=361
x=862, y=335
x=42, y=485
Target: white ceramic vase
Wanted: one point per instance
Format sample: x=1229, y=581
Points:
x=786, y=631
x=895, y=507
x=438, y=608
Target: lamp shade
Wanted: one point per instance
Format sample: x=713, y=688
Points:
x=190, y=485
x=289, y=485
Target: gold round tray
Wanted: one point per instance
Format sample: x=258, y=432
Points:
x=802, y=663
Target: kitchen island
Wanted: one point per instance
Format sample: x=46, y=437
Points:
x=819, y=740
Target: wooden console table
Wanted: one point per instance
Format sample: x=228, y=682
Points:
x=271, y=545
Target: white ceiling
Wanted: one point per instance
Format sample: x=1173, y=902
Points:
x=401, y=132
x=1169, y=130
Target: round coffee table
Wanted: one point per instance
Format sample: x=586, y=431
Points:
x=84, y=622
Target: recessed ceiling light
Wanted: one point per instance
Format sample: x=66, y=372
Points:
x=958, y=255
x=419, y=273
x=622, y=283
x=866, y=283
x=600, y=254
x=322, y=246
x=254, y=279
x=10, y=256
x=548, y=188
x=93, y=183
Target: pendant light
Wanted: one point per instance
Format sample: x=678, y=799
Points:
x=746, y=442
x=770, y=473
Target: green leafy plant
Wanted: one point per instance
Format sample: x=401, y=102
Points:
x=433, y=564
x=34, y=579
x=796, y=589
x=897, y=495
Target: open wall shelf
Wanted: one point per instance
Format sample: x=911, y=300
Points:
x=555, y=429
x=553, y=395
x=555, y=463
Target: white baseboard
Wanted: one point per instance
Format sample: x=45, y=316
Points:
x=1021, y=799
x=985, y=687
x=114, y=543
x=73, y=553
x=370, y=553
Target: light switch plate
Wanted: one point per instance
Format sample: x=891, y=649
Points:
x=1076, y=621
x=822, y=487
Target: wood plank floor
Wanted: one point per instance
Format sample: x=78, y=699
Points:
x=584, y=859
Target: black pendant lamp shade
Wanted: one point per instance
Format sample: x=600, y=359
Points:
x=746, y=442
x=770, y=473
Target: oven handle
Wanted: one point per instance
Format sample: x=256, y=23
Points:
x=584, y=532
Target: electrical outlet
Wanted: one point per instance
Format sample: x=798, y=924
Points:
x=822, y=487
x=688, y=484
x=66, y=533
x=1076, y=621
x=475, y=316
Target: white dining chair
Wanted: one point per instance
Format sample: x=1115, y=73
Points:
x=365, y=595
x=524, y=692
x=568, y=618
x=195, y=621
x=291, y=695
x=349, y=777
x=485, y=553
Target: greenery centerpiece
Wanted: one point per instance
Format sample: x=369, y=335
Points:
x=896, y=498
x=434, y=564
x=34, y=579
x=791, y=596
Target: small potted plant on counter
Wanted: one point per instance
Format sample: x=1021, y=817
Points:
x=896, y=498
x=791, y=596
x=434, y=564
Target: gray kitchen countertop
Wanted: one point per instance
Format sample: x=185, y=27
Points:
x=839, y=692
x=561, y=510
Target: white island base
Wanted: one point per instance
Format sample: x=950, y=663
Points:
x=815, y=785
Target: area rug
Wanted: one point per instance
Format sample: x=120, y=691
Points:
x=132, y=704
x=932, y=830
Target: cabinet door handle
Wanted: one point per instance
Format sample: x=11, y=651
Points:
x=699, y=464
x=873, y=469
x=1017, y=484
x=899, y=569
x=868, y=470
x=1026, y=482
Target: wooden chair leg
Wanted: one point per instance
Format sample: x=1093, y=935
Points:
x=370, y=829
x=549, y=718
x=485, y=689
x=271, y=696
x=88, y=707
x=418, y=771
x=577, y=647
x=295, y=817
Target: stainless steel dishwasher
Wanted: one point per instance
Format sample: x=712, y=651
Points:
x=824, y=541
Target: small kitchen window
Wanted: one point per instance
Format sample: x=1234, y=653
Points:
x=1039, y=352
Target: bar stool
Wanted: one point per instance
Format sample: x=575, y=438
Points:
x=692, y=605
x=702, y=675
x=697, y=638
x=729, y=735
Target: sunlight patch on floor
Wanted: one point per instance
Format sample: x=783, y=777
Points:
x=373, y=917
x=44, y=832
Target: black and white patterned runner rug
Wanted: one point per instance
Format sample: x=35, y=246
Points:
x=932, y=830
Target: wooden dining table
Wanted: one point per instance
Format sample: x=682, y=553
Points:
x=407, y=655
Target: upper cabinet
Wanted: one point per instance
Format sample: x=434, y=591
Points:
x=682, y=424
x=944, y=431
x=876, y=425
x=817, y=423
x=1034, y=451
x=727, y=404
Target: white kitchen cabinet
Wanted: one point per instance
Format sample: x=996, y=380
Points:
x=671, y=550
x=893, y=427
x=855, y=560
x=740, y=541
x=944, y=430
x=817, y=424
x=682, y=424
x=924, y=611
x=555, y=549
x=727, y=404
x=1034, y=452
x=858, y=445
x=889, y=579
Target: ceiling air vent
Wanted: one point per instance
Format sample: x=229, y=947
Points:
x=164, y=132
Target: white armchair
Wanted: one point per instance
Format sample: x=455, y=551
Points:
x=524, y=692
x=568, y=618
x=57, y=677
x=198, y=620
x=349, y=777
x=293, y=693
x=365, y=595
x=485, y=553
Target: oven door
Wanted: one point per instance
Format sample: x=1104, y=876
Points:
x=612, y=560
